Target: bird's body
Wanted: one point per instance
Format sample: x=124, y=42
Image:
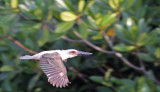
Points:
x=39, y=55
x=51, y=63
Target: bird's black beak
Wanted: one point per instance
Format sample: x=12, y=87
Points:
x=79, y=53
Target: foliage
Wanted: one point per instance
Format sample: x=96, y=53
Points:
x=131, y=25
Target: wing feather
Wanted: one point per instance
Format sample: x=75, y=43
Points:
x=52, y=65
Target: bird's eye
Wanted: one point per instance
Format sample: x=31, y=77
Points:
x=72, y=52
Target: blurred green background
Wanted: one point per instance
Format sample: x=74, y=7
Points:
x=124, y=36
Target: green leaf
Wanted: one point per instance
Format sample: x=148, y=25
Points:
x=142, y=85
x=97, y=79
x=83, y=30
x=14, y=3
x=40, y=3
x=116, y=81
x=129, y=84
x=68, y=16
x=89, y=4
x=107, y=20
x=6, y=20
x=151, y=49
x=6, y=68
x=157, y=53
x=38, y=13
x=128, y=35
x=3, y=48
x=30, y=15
x=103, y=89
x=55, y=36
x=142, y=38
x=63, y=27
x=33, y=81
x=142, y=27
x=5, y=75
x=107, y=74
x=114, y=4
x=124, y=48
x=97, y=36
x=69, y=6
x=146, y=39
x=134, y=32
x=81, y=5
x=50, y=14
x=127, y=4
x=90, y=13
x=120, y=34
x=7, y=85
x=28, y=42
x=146, y=57
x=44, y=38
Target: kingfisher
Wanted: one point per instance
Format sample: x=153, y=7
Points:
x=51, y=63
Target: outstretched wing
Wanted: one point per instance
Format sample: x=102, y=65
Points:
x=52, y=65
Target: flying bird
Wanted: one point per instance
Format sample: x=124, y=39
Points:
x=51, y=63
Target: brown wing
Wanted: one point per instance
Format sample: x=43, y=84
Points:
x=52, y=65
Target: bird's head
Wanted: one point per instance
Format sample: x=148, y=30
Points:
x=72, y=53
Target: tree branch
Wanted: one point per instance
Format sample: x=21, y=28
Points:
x=119, y=55
x=20, y=45
x=108, y=41
x=71, y=40
x=80, y=75
x=100, y=69
x=141, y=68
x=92, y=45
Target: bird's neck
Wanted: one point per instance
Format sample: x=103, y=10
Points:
x=63, y=55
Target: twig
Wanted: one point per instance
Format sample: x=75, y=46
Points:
x=146, y=72
x=120, y=56
x=92, y=45
x=108, y=41
x=51, y=30
x=100, y=69
x=108, y=52
x=25, y=17
x=151, y=77
x=70, y=40
x=141, y=68
x=80, y=75
x=20, y=45
x=140, y=60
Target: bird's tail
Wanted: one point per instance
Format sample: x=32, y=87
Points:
x=26, y=57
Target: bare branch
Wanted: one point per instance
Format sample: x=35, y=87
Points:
x=24, y=16
x=108, y=41
x=20, y=45
x=100, y=69
x=80, y=75
x=71, y=40
x=119, y=55
x=50, y=29
x=141, y=68
x=151, y=77
x=92, y=45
